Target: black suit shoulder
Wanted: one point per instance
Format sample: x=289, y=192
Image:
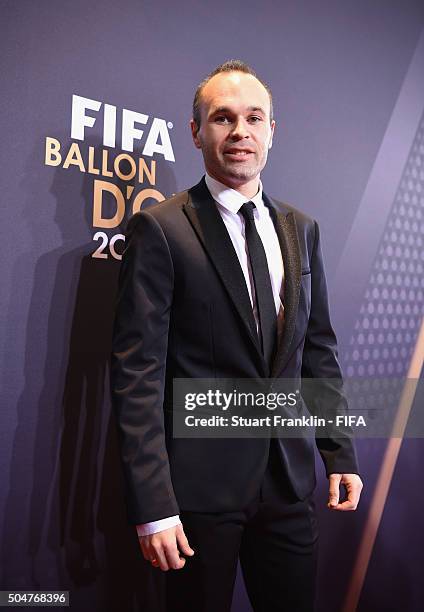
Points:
x=161, y=211
x=165, y=219
x=302, y=219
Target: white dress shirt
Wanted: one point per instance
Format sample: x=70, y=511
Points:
x=229, y=202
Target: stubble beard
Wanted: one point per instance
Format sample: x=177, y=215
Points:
x=239, y=172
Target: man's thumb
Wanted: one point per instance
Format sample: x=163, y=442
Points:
x=334, y=490
x=183, y=544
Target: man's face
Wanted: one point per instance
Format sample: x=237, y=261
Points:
x=235, y=132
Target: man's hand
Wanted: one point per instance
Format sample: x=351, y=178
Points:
x=162, y=549
x=353, y=485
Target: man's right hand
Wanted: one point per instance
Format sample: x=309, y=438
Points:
x=162, y=549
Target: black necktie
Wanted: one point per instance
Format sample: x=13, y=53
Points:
x=263, y=289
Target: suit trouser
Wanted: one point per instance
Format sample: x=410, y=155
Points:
x=275, y=538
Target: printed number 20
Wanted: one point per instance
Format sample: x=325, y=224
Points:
x=98, y=253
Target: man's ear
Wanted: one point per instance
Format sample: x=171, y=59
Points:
x=195, y=133
x=272, y=134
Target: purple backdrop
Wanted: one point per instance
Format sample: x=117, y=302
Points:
x=348, y=84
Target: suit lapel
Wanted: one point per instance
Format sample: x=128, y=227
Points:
x=285, y=226
x=212, y=233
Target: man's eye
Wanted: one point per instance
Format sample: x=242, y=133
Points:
x=221, y=119
x=255, y=119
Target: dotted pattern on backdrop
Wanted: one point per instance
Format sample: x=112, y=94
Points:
x=390, y=315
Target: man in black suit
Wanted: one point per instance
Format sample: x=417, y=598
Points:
x=221, y=281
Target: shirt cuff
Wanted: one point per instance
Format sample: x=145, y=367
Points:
x=156, y=526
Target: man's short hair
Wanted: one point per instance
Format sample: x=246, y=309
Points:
x=228, y=66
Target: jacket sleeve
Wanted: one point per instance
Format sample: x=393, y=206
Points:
x=324, y=394
x=138, y=366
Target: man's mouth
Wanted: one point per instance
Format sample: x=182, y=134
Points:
x=238, y=153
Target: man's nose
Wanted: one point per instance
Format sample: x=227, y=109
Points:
x=239, y=130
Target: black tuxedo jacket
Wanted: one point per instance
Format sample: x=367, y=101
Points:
x=183, y=310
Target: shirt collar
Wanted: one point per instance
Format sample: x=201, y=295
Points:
x=230, y=199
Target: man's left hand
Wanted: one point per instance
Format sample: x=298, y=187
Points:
x=353, y=485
